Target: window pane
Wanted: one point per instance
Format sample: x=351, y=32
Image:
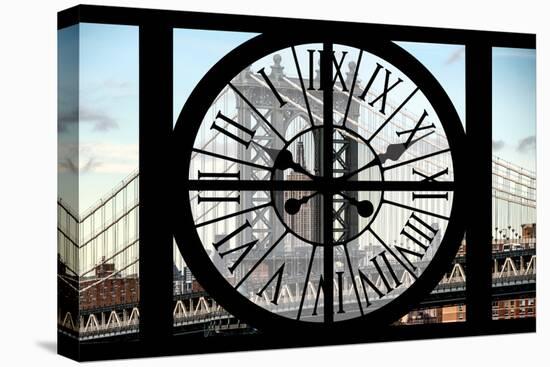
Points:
x=98, y=138
x=514, y=183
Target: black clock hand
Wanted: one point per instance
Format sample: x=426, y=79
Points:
x=283, y=159
x=393, y=152
x=292, y=206
x=364, y=207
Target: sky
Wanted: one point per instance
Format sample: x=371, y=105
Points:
x=108, y=97
x=195, y=52
x=446, y=63
x=108, y=109
x=514, y=106
x=514, y=94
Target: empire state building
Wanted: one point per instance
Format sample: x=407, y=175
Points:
x=305, y=223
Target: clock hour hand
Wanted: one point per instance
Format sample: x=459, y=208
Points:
x=372, y=163
x=364, y=207
x=292, y=206
x=393, y=152
x=283, y=159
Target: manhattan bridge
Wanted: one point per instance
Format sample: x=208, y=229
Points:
x=98, y=250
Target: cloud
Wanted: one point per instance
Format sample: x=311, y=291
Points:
x=527, y=144
x=498, y=145
x=67, y=157
x=98, y=119
x=108, y=158
x=90, y=165
x=67, y=165
x=98, y=158
x=109, y=90
x=455, y=56
x=66, y=116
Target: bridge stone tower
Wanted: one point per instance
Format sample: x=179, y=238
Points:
x=345, y=152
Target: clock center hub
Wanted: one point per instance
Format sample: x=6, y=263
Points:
x=300, y=162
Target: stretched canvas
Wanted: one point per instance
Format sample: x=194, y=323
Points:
x=231, y=182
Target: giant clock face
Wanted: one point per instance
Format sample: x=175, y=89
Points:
x=321, y=182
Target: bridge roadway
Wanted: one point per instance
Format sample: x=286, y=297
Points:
x=196, y=312
x=504, y=284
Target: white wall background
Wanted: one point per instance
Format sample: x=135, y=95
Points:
x=28, y=180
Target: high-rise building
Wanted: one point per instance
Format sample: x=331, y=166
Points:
x=305, y=223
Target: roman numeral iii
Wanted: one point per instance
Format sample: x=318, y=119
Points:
x=221, y=175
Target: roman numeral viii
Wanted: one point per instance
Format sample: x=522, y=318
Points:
x=417, y=227
x=414, y=228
